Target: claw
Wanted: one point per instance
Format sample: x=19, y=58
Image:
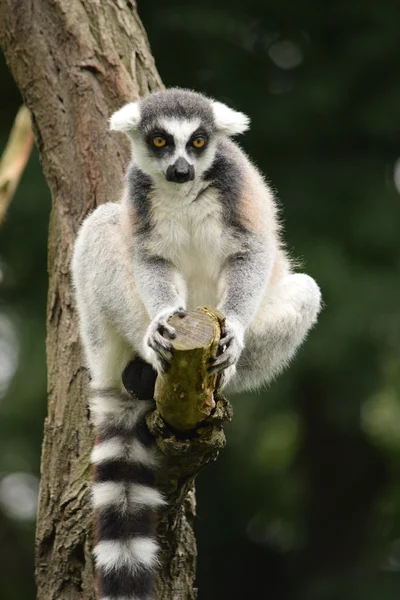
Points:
x=169, y=330
x=160, y=339
x=226, y=340
x=218, y=368
x=161, y=346
x=229, y=349
x=159, y=334
x=222, y=361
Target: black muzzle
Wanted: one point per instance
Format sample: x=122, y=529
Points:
x=180, y=172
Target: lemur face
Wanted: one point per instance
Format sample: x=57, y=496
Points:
x=180, y=150
x=174, y=133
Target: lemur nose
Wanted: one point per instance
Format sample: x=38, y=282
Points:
x=180, y=172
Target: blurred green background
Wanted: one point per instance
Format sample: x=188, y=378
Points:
x=304, y=503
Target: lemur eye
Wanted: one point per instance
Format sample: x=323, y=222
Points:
x=198, y=142
x=159, y=141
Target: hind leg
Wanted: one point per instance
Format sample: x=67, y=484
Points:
x=288, y=312
x=107, y=353
x=124, y=496
x=112, y=360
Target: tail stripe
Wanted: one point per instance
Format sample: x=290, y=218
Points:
x=125, y=583
x=130, y=497
x=130, y=597
x=117, y=448
x=136, y=431
x=117, y=410
x=123, y=471
x=135, y=553
x=112, y=524
x=124, y=598
x=124, y=496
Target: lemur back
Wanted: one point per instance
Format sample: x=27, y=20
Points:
x=197, y=225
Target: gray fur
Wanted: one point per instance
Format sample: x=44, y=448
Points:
x=175, y=103
x=154, y=271
x=169, y=247
x=225, y=175
x=250, y=269
x=139, y=185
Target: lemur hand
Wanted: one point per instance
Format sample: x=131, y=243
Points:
x=157, y=339
x=230, y=347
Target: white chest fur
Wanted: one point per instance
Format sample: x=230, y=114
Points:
x=188, y=231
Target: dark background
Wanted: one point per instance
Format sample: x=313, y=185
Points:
x=304, y=503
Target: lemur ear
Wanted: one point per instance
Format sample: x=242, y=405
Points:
x=126, y=119
x=229, y=121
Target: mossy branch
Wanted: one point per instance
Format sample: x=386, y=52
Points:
x=188, y=421
x=188, y=429
x=185, y=395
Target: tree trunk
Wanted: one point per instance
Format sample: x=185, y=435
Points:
x=75, y=62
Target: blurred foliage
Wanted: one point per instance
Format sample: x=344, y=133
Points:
x=304, y=503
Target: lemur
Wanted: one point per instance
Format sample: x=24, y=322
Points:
x=197, y=225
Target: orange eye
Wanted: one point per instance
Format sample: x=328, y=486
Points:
x=198, y=142
x=159, y=142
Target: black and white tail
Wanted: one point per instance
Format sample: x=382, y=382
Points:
x=124, y=496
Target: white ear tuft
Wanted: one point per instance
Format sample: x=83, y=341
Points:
x=229, y=121
x=126, y=119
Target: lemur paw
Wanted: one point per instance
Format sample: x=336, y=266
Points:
x=159, y=348
x=230, y=347
x=161, y=365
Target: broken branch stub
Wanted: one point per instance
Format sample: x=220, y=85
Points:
x=188, y=422
x=185, y=395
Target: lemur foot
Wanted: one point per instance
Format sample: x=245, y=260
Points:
x=159, y=348
x=230, y=347
x=139, y=379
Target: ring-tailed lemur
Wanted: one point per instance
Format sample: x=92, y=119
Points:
x=197, y=225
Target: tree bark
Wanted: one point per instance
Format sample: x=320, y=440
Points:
x=75, y=62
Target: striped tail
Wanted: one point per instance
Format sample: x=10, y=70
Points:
x=124, y=496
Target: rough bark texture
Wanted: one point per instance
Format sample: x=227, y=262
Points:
x=75, y=62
